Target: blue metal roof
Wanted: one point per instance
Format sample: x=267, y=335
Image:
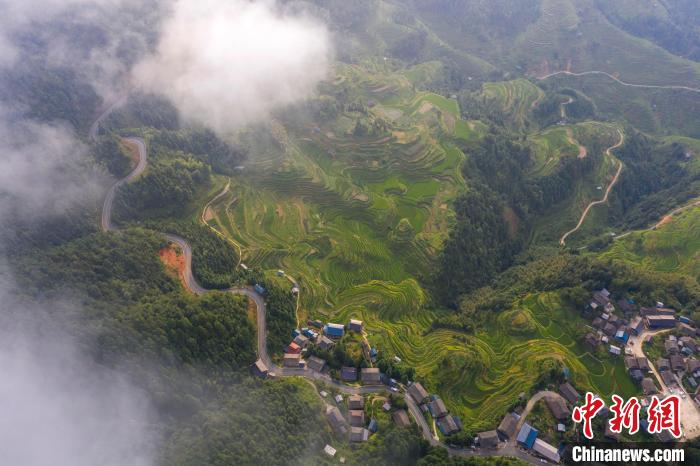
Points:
x=527, y=435
x=334, y=330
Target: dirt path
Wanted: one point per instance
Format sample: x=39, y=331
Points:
x=562, y=241
x=582, y=151
x=619, y=81
x=562, y=107
x=667, y=218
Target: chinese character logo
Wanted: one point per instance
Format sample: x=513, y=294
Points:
x=587, y=412
x=665, y=415
x=625, y=415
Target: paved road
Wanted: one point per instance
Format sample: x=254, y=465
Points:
x=194, y=287
x=619, y=81
x=562, y=241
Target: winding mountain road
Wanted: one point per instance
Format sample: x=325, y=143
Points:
x=619, y=81
x=562, y=241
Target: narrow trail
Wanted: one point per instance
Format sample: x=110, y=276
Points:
x=619, y=81
x=582, y=151
x=562, y=107
x=276, y=371
x=562, y=241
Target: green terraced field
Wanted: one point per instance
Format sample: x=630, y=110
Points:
x=673, y=247
x=516, y=99
x=358, y=221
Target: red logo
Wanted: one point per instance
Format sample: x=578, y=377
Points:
x=626, y=415
x=665, y=415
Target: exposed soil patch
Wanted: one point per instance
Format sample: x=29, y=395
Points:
x=174, y=262
x=512, y=221
x=425, y=107
x=132, y=150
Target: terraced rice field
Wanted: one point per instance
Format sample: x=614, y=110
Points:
x=515, y=98
x=673, y=247
x=359, y=221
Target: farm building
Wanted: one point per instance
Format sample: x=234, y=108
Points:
x=488, y=439
x=358, y=434
x=292, y=360
x=527, y=435
x=447, y=425
x=546, y=451
x=338, y=398
x=417, y=392
x=325, y=343
x=400, y=418
x=648, y=386
x=356, y=417
x=660, y=321
x=260, y=368
x=508, y=425
x=557, y=407
x=437, y=408
x=316, y=364
x=337, y=422
x=371, y=375
x=569, y=392
x=355, y=325
x=334, y=330
x=348, y=374
x=356, y=402
x=615, y=350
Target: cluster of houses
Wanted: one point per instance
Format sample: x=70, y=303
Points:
x=525, y=435
x=679, y=360
x=353, y=427
x=447, y=423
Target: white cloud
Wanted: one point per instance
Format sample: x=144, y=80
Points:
x=226, y=63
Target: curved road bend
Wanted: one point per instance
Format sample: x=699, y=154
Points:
x=193, y=286
x=562, y=241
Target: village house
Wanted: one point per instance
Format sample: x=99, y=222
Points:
x=358, y=434
x=648, y=386
x=400, y=418
x=693, y=366
x=668, y=378
x=356, y=402
x=260, y=368
x=677, y=363
x=348, y=374
x=631, y=363
x=301, y=341
x=671, y=347
x=569, y=392
x=508, y=426
x=316, y=364
x=371, y=375
x=546, y=451
x=558, y=408
x=291, y=360
x=660, y=321
x=643, y=364
x=417, y=392
x=662, y=364
x=591, y=341
x=447, y=425
x=609, y=329
x=356, y=417
x=355, y=325
x=598, y=323
x=336, y=420
x=437, y=408
x=334, y=330
x=325, y=343
x=488, y=439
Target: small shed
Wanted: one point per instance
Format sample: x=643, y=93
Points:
x=358, y=434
